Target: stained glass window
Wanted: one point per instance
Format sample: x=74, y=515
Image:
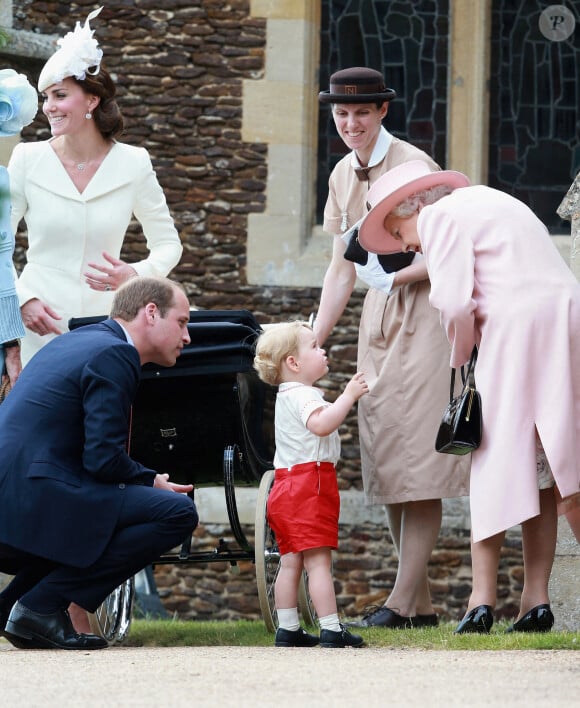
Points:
x=534, y=92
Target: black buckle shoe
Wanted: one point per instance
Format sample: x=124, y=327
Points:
x=339, y=640
x=383, y=617
x=296, y=638
x=538, y=619
x=479, y=620
x=53, y=631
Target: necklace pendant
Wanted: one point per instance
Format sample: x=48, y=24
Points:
x=81, y=166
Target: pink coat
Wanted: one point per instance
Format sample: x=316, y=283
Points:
x=498, y=281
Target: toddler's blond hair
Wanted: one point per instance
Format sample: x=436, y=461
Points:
x=274, y=345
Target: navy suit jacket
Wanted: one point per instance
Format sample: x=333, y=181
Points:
x=64, y=427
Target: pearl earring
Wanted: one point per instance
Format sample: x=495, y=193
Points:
x=88, y=115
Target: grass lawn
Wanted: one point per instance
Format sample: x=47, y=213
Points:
x=161, y=633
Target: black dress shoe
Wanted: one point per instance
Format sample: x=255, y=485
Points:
x=4, y=612
x=478, y=620
x=53, y=631
x=340, y=639
x=5, y=608
x=538, y=619
x=383, y=617
x=295, y=638
x=431, y=620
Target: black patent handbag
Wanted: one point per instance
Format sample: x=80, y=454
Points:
x=460, y=429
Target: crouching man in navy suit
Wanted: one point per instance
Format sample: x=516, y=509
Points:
x=78, y=516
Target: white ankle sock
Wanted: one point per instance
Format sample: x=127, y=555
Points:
x=329, y=622
x=288, y=619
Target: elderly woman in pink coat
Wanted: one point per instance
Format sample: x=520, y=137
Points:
x=499, y=283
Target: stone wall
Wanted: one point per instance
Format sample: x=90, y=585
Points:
x=180, y=68
x=179, y=73
x=364, y=569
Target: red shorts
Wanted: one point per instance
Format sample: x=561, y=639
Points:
x=303, y=507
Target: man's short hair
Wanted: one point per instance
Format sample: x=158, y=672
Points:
x=138, y=292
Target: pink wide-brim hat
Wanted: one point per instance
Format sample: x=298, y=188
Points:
x=391, y=189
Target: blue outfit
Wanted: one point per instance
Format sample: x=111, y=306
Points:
x=11, y=326
x=69, y=492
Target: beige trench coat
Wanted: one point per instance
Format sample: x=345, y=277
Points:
x=404, y=354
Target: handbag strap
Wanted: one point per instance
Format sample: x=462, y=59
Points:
x=469, y=377
x=466, y=378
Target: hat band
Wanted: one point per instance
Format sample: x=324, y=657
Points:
x=355, y=89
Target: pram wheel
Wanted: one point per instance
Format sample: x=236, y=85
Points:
x=268, y=563
x=112, y=619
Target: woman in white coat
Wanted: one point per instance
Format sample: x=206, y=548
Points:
x=499, y=283
x=77, y=193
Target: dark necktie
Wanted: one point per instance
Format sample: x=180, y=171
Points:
x=362, y=173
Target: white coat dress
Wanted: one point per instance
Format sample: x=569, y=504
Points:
x=499, y=282
x=67, y=229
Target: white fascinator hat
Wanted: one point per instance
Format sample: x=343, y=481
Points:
x=78, y=55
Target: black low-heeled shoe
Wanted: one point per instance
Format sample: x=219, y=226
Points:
x=382, y=617
x=538, y=619
x=479, y=620
x=431, y=620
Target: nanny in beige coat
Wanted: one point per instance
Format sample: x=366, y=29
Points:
x=77, y=193
x=499, y=282
x=402, y=351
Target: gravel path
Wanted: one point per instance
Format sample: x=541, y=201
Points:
x=241, y=677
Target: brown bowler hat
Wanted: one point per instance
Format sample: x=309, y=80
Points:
x=356, y=85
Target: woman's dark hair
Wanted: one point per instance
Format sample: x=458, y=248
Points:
x=107, y=115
